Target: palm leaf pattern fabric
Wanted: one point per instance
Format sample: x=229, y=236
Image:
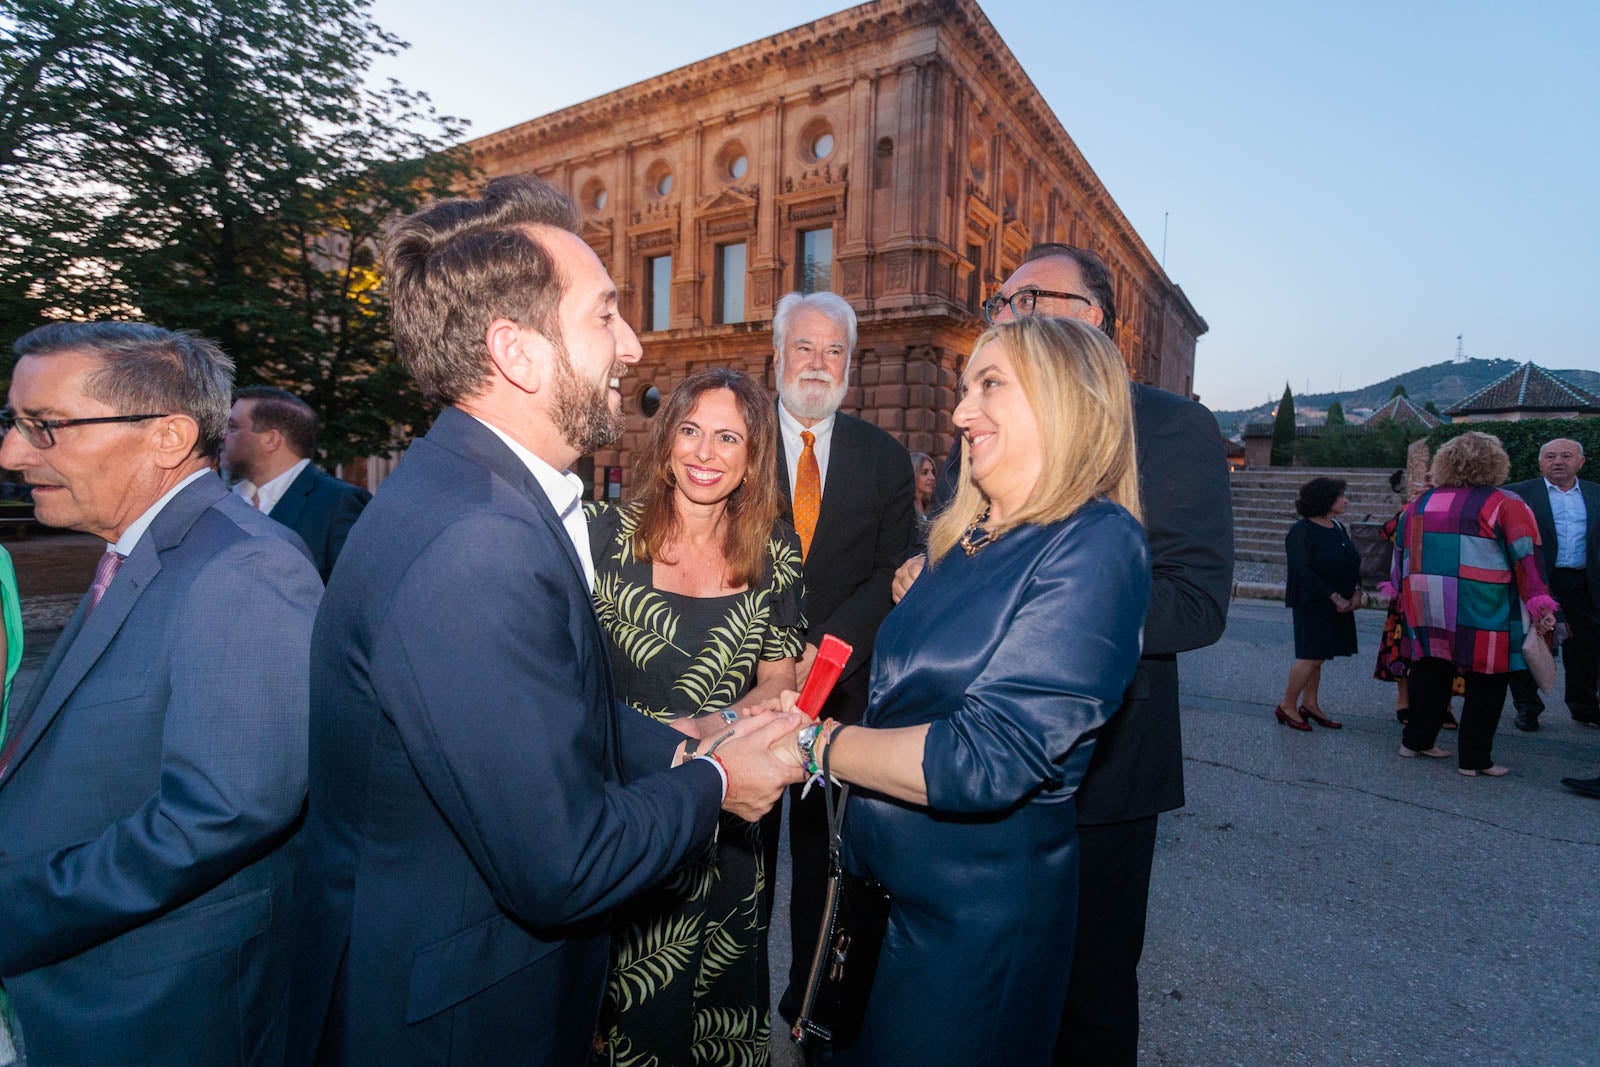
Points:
x=688, y=981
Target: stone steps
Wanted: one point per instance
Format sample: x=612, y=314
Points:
x=1263, y=507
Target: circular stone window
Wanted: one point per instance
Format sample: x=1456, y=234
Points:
x=599, y=199
x=822, y=146
x=658, y=179
x=738, y=166
x=649, y=400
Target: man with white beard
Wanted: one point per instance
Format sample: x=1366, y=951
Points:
x=848, y=488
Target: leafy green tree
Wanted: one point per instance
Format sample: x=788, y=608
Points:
x=1336, y=415
x=1283, y=431
x=1399, y=390
x=217, y=165
x=1431, y=409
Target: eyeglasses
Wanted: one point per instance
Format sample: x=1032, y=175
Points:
x=41, y=433
x=1022, y=302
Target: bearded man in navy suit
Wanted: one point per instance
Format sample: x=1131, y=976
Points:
x=272, y=435
x=480, y=800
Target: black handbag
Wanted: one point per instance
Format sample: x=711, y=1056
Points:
x=855, y=914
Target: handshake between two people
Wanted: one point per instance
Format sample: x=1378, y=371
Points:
x=758, y=748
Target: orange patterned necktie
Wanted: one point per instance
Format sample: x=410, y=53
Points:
x=807, y=493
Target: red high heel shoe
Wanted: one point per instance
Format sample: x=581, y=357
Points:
x=1283, y=717
x=1320, y=719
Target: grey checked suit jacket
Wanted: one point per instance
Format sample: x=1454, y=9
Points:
x=158, y=770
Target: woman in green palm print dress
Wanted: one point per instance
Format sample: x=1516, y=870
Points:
x=697, y=583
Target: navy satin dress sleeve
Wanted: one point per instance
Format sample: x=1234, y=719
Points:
x=1013, y=657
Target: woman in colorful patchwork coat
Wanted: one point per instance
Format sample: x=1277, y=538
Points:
x=1464, y=568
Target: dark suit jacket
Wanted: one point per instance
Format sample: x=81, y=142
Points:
x=478, y=805
x=1137, y=768
x=321, y=509
x=159, y=770
x=1537, y=497
x=863, y=530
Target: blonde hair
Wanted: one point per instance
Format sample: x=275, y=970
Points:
x=1075, y=382
x=1473, y=459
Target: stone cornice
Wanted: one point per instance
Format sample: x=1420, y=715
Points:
x=966, y=37
x=854, y=26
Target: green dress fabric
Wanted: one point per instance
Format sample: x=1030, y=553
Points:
x=688, y=982
x=11, y=609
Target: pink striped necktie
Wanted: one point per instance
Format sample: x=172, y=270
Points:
x=104, y=572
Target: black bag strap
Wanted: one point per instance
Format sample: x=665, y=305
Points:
x=835, y=811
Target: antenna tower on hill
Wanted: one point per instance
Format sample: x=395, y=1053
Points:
x=1461, y=356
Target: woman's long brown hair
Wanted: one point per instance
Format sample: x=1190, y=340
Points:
x=753, y=507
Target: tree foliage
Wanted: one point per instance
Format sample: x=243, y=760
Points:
x=1399, y=390
x=218, y=166
x=1335, y=415
x=1383, y=445
x=1283, y=431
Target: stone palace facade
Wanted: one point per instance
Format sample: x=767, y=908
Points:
x=895, y=153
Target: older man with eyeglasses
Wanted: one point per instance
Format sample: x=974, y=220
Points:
x=151, y=779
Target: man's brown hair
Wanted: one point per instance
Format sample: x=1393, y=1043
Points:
x=281, y=410
x=458, y=265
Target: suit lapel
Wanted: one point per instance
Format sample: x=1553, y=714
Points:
x=464, y=435
x=841, y=470
x=1591, y=507
x=88, y=636
x=288, y=508
x=1538, y=502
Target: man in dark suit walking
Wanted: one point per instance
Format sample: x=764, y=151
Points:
x=847, y=488
x=151, y=780
x=1568, y=511
x=480, y=801
x=272, y=435
x=1136, y=771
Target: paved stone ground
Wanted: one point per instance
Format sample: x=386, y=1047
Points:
x=1322, y=901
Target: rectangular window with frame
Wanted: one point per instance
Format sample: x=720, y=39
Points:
x=814, y=260
x=657, y=292
x=729, y=287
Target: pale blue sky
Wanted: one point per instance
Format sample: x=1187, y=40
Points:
x=1350, y=185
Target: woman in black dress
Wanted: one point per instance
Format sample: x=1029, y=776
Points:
x=1324, y=573
x=698, y=587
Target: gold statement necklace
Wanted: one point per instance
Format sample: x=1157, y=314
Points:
x=977, y=535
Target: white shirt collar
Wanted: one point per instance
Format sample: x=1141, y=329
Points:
x=272, y=490
x=565, y=492
x=130, y=537
x=791, y=425
x=1552, y=487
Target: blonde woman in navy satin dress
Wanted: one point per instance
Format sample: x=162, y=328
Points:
x=1016, y=642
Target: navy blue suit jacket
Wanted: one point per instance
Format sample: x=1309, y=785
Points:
x=321, y=509
x=478, y=804
x=159, y=770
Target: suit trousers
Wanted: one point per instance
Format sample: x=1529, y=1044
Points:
x=1100, y=1023
x=1580, y=652
x=1430, y=682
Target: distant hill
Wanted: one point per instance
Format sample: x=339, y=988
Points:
x=1442, y=383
